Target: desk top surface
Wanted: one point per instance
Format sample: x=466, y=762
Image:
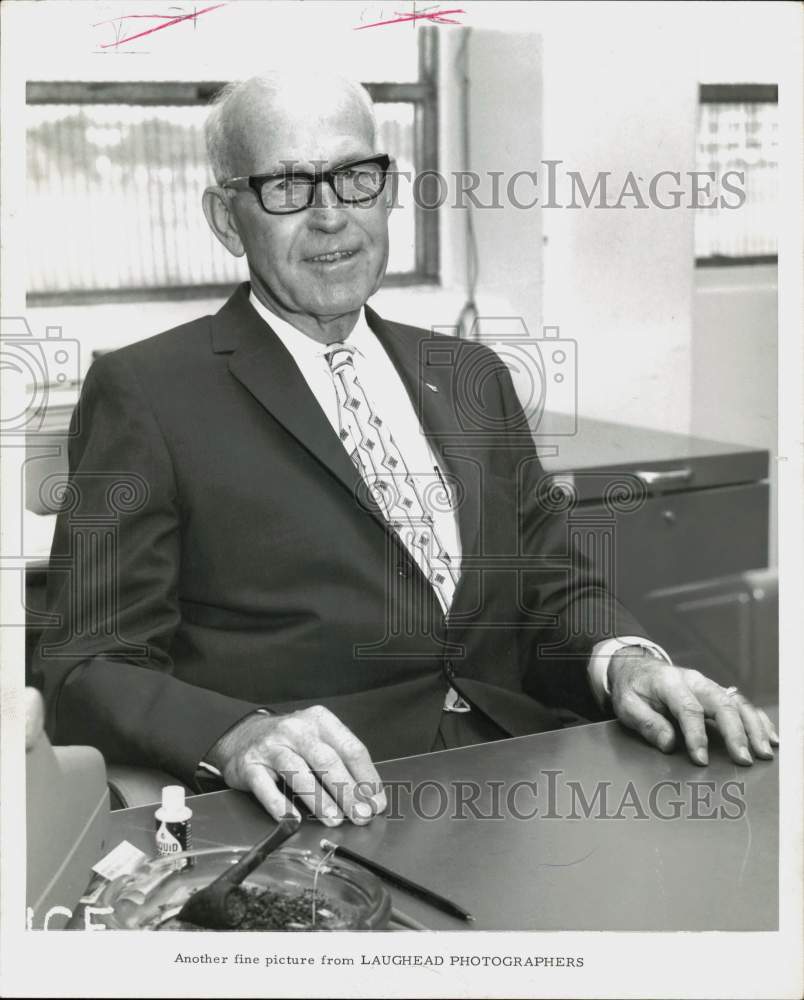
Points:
x=557, y=831
x=597, y=447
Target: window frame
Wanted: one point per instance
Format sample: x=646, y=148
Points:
x=737, y=93
x=422, y=94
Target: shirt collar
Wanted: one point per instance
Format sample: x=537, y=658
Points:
x=300, y=346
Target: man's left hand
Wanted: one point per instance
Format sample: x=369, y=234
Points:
x=647, y=694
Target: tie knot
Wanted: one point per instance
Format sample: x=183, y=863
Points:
x=340, y=356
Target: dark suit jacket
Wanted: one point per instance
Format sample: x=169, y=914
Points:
x=216, y=553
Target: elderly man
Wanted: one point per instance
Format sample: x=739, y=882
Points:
x=315, y=561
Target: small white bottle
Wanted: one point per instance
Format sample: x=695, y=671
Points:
x=173, y=833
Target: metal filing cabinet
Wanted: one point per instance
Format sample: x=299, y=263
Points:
x=681, y=527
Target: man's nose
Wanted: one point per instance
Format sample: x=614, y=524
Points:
x=326, y=212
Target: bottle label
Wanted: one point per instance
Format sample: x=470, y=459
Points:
x=172, y=838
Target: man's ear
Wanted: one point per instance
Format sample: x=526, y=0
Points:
x=222, y=222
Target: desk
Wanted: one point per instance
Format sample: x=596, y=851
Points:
x=555, y=873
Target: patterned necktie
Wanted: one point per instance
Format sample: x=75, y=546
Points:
x=402, y=500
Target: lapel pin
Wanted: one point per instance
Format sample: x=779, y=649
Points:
x=430, y=385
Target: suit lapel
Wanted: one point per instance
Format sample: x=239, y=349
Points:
x=262, y=364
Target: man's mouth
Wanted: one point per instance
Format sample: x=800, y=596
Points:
x=333, y=257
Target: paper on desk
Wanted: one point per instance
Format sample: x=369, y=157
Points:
x=120, y=861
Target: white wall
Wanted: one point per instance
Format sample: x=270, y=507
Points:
x=735, y=362
x=619, y=281
x=735, y=355
x=505, y=135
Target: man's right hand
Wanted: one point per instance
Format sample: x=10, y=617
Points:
x=323, y=762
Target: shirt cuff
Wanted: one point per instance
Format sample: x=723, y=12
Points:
x=210, y=768
x=600, y=659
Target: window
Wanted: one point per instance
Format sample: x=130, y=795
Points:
x=738, y=130
x=115, y=177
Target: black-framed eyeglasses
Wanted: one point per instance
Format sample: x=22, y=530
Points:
x=293, y=191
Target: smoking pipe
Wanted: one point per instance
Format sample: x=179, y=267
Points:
x=221, y=905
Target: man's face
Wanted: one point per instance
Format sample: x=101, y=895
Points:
x=284, y=252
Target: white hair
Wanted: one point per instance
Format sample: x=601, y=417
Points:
x=226, y=137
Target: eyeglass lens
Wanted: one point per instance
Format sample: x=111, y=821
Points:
x=355, y=183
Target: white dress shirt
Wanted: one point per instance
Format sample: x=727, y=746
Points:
x=376, y=370
x=387, y=392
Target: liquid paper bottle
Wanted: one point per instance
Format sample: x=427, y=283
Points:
x=173, y=825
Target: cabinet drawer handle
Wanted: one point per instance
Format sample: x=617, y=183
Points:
x=664, y=477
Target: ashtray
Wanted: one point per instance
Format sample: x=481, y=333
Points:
x=284, y=893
